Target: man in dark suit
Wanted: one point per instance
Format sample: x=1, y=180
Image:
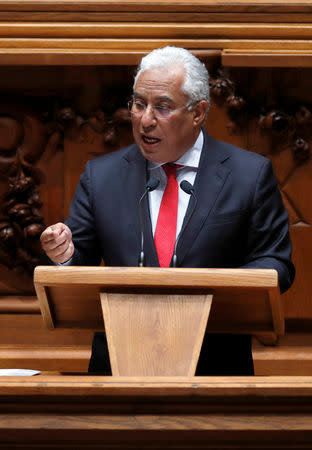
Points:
x=234, y=216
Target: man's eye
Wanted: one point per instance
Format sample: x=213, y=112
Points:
x=139, y=106
x=163, y=109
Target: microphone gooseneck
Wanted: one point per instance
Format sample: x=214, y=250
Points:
x=188, y=189
x=150, y=186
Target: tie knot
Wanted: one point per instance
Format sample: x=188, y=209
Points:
x=170, y=169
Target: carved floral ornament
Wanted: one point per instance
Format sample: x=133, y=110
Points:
x=21, y=145
x=110, y=126
x=291, y=124
x=25, y=136
x=286, y=126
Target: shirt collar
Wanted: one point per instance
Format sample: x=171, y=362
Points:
x=189, y=159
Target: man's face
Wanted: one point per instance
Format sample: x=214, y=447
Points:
x=164, y=140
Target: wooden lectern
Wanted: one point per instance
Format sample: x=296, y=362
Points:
x=155, y=318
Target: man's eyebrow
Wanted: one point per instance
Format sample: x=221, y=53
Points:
x=136, y=94
x=161, y=98
x=164, y=98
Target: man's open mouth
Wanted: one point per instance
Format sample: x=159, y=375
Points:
x=150, y=140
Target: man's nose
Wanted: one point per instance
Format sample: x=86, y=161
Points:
x=148, y=118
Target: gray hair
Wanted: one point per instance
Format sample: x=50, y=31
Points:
x=196, y=83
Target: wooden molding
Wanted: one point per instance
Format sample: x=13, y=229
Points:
x=266, y=58
x=100, y=32
x=19, y=305
x=172, y=277
x=70, y=52
x=257, y=390
x=230, y=6
x=95, y=412
x=43, y=357
x=90, y=54
x=147, y=30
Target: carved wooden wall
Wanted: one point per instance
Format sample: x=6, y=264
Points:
x=66, y=74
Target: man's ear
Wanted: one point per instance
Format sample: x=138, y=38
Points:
x=199, y=112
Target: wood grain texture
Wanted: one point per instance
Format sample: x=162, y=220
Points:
x=251, y=389
x=154, y=277
x=46, y=312
x=123, y=52
x=263, y=58
x=141, y=5
x=26, y=342
x=201, y=46
x=120, y=33
x=160, y=15
x=147, y=30
x=293, y=356
x=46, y=357
x=155, y=334
x=202, y=413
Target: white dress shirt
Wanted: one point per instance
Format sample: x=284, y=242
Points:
x=189, y=162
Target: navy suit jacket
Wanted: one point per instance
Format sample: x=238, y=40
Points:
x=239, y=219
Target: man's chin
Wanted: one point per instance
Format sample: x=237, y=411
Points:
x=153, y=155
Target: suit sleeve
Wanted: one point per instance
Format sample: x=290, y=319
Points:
x=81, y=221
x=268, y=241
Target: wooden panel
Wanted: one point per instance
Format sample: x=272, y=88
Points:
x=121, y=33
x=79, y=307
x=25, y=342
x=258, y=58
x=130, y=52
x=171, y=5
x=30, y=330
x=61, y=358
x=141, y=30
x=161, y=413
x=209, y=15
x=19, y=304
x=225, y=314
x=292, y=356
x=155, y=334
x=298, y=300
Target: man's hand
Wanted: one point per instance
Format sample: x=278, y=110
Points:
x=56, y=241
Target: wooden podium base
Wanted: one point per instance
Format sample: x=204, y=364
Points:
x=154, y=334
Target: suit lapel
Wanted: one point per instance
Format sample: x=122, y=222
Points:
x=151, y=258
x=209, y=181
x=137, y=179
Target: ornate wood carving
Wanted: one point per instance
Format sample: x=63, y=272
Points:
x=289, y=123
x=26, y=135
x=114, y=127
x=22, y=141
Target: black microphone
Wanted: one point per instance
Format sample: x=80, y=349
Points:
x=188, y=189
x=151, y=185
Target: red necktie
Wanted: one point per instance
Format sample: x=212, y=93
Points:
x=165, y=233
